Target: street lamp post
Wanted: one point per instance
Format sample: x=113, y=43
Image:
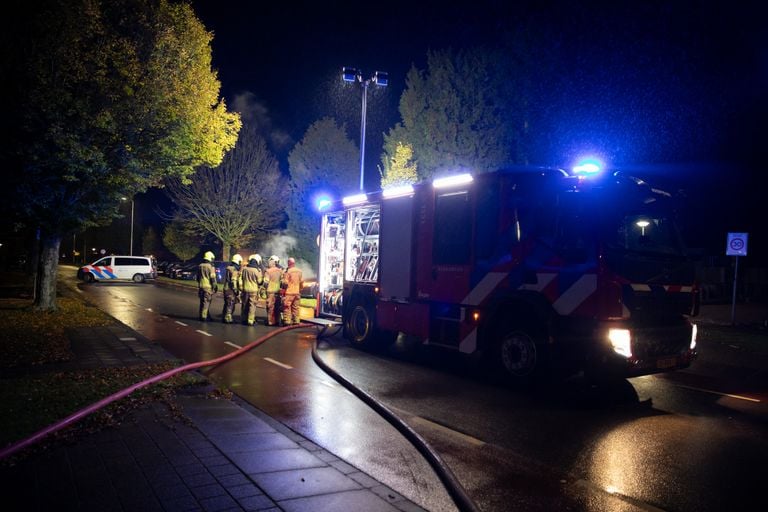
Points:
x=380, y=78
x=130, y=250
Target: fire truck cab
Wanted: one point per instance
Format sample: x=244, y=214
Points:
x=538, y=268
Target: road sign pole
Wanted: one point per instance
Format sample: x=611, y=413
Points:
x=733, y=301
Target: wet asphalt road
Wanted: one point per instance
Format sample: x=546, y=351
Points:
x=672, y=442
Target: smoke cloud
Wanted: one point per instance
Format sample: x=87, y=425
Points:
x=283, y=246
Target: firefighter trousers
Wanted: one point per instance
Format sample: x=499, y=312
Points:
x=291, y=308
x=230, y=299
x=273, y=308
x=250, y=299
x=206, y=296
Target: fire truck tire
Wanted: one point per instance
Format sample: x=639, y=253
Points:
x=360, y=326
x=521, y=356
x=88, y=277
x=138, y=278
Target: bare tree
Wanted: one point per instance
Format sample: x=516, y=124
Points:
x=244, y=195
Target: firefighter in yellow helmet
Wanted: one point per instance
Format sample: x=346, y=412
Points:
x=292, y=282
x=206, y=285
x=232, y=285
x=273, y=278
x=252, y=278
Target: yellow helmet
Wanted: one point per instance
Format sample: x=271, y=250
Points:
x=208, y=256
x=237, y=259
x=255, y=257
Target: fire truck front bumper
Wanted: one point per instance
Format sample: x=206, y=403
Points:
x=628, y=350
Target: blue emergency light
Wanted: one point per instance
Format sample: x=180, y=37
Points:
x=587, y=167
x=322, y=202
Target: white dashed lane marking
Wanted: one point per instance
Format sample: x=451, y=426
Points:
x=232, y=344
x=203, y=332
x=182, y=323
x=278, y=363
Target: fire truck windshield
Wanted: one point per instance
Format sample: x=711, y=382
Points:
x=645, y=232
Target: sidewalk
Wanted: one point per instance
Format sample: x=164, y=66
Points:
x=229, y=457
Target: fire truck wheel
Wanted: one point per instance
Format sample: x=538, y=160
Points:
x=519, y=355
x=88, y=277
x=360, y=325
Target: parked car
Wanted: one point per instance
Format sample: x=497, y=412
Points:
x=184, y=271
x=134, y=268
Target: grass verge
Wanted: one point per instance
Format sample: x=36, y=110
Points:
x=39, y=393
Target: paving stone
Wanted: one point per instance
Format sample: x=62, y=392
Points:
x=199, y=479
x=168, y=492
x=218, y=503
x=343, y=466
x=234, y=479
x=386, y=493
x=213, y=461
x=408, y=506
x=181, y=504
x=275, y=460
x=363, y=479
x=259, y=502
x=191, y=469
x=243, y=491
x=208, y=491
x=253, y=442
x=351, y=500
x=325, y=456
x=223, y=471
x=300, y=483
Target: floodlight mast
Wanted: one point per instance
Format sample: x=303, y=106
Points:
x=380, y=78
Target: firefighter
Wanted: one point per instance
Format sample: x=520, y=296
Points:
x=232, y=286
x=292, y=283
x=206, y=285
x=252, y=279
x=273, y=278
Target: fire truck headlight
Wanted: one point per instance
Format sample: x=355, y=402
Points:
x=694, y=333
x=621, y=341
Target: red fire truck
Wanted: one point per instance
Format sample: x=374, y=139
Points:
x=539, y=268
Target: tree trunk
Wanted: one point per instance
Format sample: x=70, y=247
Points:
x=225, y=251
x=45, y=298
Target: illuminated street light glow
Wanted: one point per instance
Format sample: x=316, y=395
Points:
x=642, y=224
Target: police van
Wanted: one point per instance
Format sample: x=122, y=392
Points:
x=123, y=268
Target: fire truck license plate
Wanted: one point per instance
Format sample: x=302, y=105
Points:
x=667, y=362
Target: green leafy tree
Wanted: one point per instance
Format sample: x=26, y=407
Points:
x=113, y=97
x=180, y=241
x=400, y=169
x=150, y=242
x=325, y=160
x=458, y=114
x=243, y=196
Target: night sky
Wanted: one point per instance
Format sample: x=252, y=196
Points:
x=675, y=91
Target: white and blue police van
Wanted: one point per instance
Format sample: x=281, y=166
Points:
x=119, y=268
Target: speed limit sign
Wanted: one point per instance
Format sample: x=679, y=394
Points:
x=737, y=244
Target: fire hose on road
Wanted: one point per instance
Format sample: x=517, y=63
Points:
x=452, y=485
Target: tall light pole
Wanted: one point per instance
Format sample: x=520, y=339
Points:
x=130, y=251
x=380, y=78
